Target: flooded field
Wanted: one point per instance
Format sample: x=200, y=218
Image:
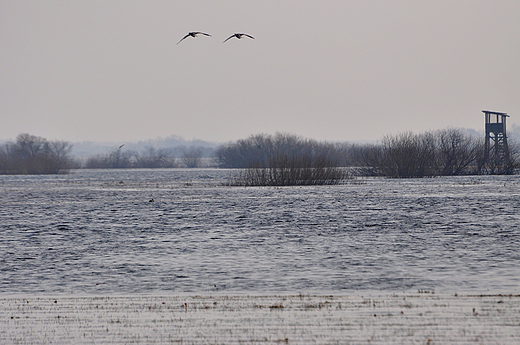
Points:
x=183, y=231
x=176, y=256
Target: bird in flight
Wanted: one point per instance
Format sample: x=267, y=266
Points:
x=194, y=34
x=239, y=36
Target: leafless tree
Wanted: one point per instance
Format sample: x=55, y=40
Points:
x=60, y=152
x=441, y=153
x=30, y=154
x=283, y=160
x=507, y=165
x=404, y=155
x=154, y=158
x=116, y=158
x=456, y=152
x=192, y=157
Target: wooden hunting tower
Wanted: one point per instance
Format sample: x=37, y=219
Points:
x=496, y=149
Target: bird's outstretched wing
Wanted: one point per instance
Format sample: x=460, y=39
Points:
x=202, y=33
x=183, y=38
x=230, y=37
x=248, y=36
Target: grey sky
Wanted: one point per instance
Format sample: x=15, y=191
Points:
x=329, y=70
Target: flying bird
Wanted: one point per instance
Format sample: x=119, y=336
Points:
x=194, y=34
x=239, y=36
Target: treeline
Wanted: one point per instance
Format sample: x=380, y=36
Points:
x=447, y=152
x=149, y=157
x=30, y=154
x=283, y=159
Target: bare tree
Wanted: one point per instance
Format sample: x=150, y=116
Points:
x=60, y=152
x=403, y=155
x=283, y=160
x=35, y=155
x=114, y=159
x=192, y=157
x=153, y=158
x=442, y=153
x=455, y=152
x=507, y=165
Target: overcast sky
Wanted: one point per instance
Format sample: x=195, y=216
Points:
x=328, y=70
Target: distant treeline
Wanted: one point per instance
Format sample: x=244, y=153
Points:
x=283, y=159
x=149, y=157
x=445, y=152
x=30, y=154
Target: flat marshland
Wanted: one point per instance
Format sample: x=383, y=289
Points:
x=422, y=318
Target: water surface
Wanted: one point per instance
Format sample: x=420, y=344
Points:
x=98, y=231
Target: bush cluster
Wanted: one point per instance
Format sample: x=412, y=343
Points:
x=282, y=160
x=150, y=158
x=287, y=159
x=30, y=154
x=447, y=152
x=119, y=159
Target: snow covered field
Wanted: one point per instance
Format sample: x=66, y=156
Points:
x=420, y=318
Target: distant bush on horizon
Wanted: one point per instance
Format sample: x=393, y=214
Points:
x=175, y=145
x=34, y=155
x=282, y=160
x=149, y=157
x=446, y=152
x=119, y=159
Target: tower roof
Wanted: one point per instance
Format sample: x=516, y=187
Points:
x=495, y=113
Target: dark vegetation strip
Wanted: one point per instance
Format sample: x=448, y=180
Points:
x=285, y=159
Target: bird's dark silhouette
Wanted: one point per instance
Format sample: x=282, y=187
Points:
x=239, y=36
x=193, y=34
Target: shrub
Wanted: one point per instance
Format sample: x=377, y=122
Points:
x=30, y=154
x=115, y=159
x=192, y=157
x=154, y=158
x=282, y=160
x=446, y=152
x=404, y=155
